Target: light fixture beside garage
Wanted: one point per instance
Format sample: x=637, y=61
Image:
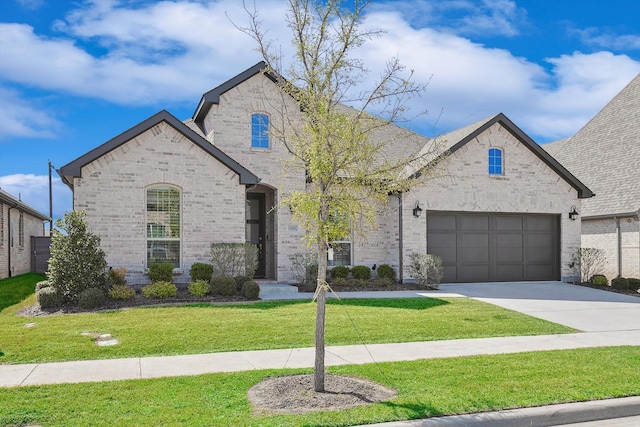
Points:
x=573, y=214
x=417, y=210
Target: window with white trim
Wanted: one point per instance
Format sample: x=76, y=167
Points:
x=21, y=230
x=1, y=224
x=163, y=225
x=339, y=252
x=259, y=130
x=496, y=165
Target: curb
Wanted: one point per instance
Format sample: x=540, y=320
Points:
x=542, y=416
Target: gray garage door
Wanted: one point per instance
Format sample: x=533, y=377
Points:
x=495, y=247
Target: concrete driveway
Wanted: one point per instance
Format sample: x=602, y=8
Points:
x=579, y=307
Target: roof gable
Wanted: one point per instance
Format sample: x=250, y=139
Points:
x=74, y=168
x=460, y=137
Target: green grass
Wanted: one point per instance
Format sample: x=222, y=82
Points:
x=425, y=388
x=16, y=289
x=263, y=325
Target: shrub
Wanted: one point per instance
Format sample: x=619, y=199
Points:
x=49, y=297
x=599, y=280
x=223, y=285
x=234, y=259
x=118, y=276
x=385, y=271
x=92, y=298
x=361, y=272
x=384, y=282
x=201, y=271
x=339, y=281
x=121, y=292
x=160, y=290
x=427, y=269
x=42, y=284
x=77, y=262
x=588, y=261
x=160, y=272
x=251, y=290
x=340, y=271
x=634, y=284
x=620, y=283
x=360, y=283
x=199, y=288
x=241, y=280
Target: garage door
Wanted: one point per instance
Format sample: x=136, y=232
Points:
x=495, y=247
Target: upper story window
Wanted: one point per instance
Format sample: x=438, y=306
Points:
x=496, y=165
x=163, y=225
x=259, y=130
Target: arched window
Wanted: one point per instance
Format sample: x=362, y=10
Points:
x=163, y=225
x=259, y=130
x=495, y=161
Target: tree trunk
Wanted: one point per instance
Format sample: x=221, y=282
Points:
x=321, y=296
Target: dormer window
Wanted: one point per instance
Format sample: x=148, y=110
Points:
x=259, y=131
x=495, y=161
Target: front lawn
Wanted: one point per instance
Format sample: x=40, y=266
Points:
x=426, y=388
x=205, y=328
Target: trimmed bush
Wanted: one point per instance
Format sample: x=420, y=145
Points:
x=199, y=288
x=241, y=280
x=251, y=290
x=160, y=290
x=223, y=285
x=49, y=297
x=620, y=283
x=361, y=272
x=340, y=271
x=43, y=284
x=118, y=276
x=121, y=292
x=201, y=271
x=360, y=283
x=340, y=281
x=634, y=284
x=161, y=272
x=92, y=298
x=384, y=282
x=599, y=280
x=385, y=271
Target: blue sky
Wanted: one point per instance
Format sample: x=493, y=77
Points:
x=74, y=74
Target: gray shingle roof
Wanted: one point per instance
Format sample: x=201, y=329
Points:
x=605, y=155
x=12, y=201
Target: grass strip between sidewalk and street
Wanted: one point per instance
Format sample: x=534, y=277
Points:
x=426, y=388
x=205, y=328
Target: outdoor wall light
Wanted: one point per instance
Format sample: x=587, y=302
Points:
x=417, y=211
x=573, y=214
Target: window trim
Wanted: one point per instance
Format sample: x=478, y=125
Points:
x=491, y=161
x=147, y=238
x=260, y=136
x=21, y=230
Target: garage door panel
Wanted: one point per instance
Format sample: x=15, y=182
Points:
x=495, y=247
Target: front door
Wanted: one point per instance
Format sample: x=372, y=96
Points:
x=256, y=228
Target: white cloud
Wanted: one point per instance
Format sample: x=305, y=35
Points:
x=31, y=4
x=21, y=118
x=607, y=40
x=34, y=191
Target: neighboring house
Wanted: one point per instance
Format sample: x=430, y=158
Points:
x=605, y=155
x=165, y=190
x=18, y=224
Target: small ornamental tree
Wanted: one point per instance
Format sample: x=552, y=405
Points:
x=77, y=262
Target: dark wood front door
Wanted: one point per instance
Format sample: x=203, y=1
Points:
x=255, y=228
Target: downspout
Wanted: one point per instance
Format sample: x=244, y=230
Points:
x=10, y=241
x=619, y=245
x=401, y=238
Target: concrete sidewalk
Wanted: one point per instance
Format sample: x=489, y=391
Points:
x=604, y=318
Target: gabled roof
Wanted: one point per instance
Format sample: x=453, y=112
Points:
x=13, y=202
x=74, y=169
x=605, y=154
x=457, y=139
x=213, y=96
